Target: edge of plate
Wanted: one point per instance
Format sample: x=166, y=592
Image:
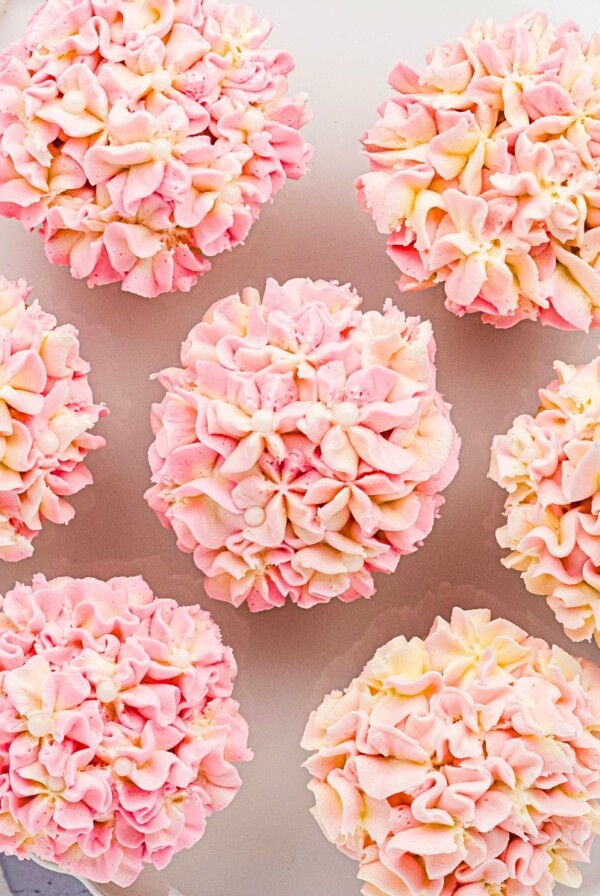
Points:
x=50, y=866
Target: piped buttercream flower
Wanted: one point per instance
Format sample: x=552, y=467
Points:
x=302, y=446
x=143, y=138
x=119, y=733
x=485, y=169
x=550, y=466
x=464, y=764
x=47, y=412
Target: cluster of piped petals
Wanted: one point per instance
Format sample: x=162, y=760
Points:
x=550, y=466
x=465, y=764
x=118, y=732
x=142, y=137
x=302, y=446
x=46, y=414
x=485, y=173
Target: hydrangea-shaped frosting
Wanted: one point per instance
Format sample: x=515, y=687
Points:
x=142, y=137
x=118, y=732
x=46, y=414
x=550, y=466
x=465, y=764
x=302, y=446
x=485, y=173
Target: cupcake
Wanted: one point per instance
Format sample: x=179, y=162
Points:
x=141, y=138
x=484, y=173
x=118, y=732
x=549, y=465
x=464, y=764
x=302, y=445
x=47, y=412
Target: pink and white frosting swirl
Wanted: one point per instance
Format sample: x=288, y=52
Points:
x=465, y=764
x=46, y=413
x=142, y=137
x=550, y=466
x=485, y=173
x=118, y=732
x=302, y=446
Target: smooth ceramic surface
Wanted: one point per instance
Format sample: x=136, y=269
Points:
x=4, y=891
x=266, y=842
x=49, y=866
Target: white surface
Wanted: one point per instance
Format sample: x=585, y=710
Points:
x=267, y=844
x=4, y=891
x=49, y=866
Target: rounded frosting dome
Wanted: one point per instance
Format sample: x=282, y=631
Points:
x=143, y=137
x=464, y=764
x=485, y=173
x=549, y=465
x=118, y=731
x=302, y=445
x=47, y=412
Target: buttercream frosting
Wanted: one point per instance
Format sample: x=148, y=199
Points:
x=118, y=732
x=549, y=465
x=464, y=764
x=302, y=445
x=47, y=412
x=485, y=169
x=142, y=138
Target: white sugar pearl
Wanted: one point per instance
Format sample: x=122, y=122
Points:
x=263, y=421
x=346, y=414
x=123, y=767
x=181, y=659
x=231, y=194
x=107, y=691
x=161, y=80
x=254, y=516
x=39, y=724
x=161, y=150
x=74, y=102
x=56, y=785
x=253, y=120
x=48, y=442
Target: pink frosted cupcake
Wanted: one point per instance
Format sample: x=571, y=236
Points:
x=143, y=138
x=550, y=466
x=465, y=764
x=118, y=732
x=485, y=173
x=47, y=412
x=302, y=446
